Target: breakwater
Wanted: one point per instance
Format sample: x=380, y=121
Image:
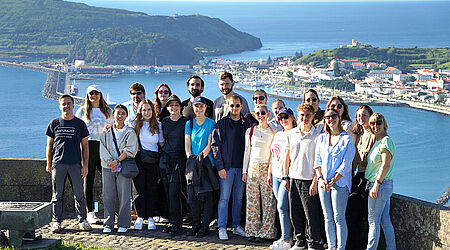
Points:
x=57, y=83
x=418, y=224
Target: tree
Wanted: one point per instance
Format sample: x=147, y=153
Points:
x=337, y=71
x=269, y=60
x=410, y=79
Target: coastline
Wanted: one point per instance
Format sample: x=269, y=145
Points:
x=58, y=83
x=369, y=101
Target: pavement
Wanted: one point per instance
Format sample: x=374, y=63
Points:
x=145, y=239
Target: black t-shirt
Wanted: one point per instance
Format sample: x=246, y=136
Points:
x=239, y=144
x=173, y=133
x=67, y=135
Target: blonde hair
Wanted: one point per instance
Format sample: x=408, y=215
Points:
x=262, y=106
x=379, y=117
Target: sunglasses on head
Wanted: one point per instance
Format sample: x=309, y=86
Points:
x=311, y=99
x=235, y=105
x=163, y=92
x=256, y=98
x=339, y=106
x=377, y=123
x=94, y=92
x=136, y=93
x=331, y=117
x=283, y=117
x=261, y=113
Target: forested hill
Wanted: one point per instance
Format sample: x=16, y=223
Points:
x=104, y=35
x=405, y=58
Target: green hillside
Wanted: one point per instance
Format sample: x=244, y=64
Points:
x=405, y=58
x=54, y=27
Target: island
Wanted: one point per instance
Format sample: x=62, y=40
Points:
x=61, y=29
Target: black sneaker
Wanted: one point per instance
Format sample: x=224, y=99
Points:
x=175, y=230
x=260, y=240
x=252, y=239
x=204, y=230
x=193, y=231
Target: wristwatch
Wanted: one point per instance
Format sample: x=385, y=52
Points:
x=284, y=178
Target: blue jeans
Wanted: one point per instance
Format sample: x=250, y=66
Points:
x=379, y=214
x=234, y=183
x=282, y=197
x=334, y=204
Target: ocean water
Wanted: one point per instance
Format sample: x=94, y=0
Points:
x=423, y=157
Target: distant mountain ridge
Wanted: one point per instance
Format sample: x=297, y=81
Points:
x=105, y=35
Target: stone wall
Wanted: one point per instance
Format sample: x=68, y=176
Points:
x=418, y=224
x=26, y=180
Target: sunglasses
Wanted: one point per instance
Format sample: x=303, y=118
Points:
x=136, y=93
x=261, y=98
x=262, y=113
x=235, y=105
x=311, y=99
x=283, y=117
x=163, y=92
x=331, y=117
x=94, y=92
x=377, y=123
x=339, y=106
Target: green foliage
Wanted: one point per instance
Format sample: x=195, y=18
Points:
x=28, y=25
x=405, y=58
x=269, y=60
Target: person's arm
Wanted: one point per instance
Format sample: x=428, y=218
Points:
x=216, y=148
x=85, y=152
x=269, y=173
x=207, y=149
x=287, y=164
x=386, y=158
x=246, y=160
x=131, y=145
x=49, y=153
x=187, y=145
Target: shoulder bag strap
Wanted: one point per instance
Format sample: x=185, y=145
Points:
x=115, y=141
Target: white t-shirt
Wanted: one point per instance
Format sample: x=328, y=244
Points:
x=96, y=124
x=149, y=141
x=302, y=153
x=278, y=149
x=259, y=150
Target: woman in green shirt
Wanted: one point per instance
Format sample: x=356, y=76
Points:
x=380, y=163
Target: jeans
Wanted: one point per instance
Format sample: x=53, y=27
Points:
x=334, y=204
x=283, y=207
x=379, y=214
x=232, y=185
x=304, y=212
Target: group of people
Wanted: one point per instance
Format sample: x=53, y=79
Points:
x=317, y=171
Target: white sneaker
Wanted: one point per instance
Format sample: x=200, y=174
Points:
x=156, y=219
x=138, y=223
x=283, y=245
x=85, y=226
x=92, y=218
x=151, y=224
x=107, y=230
x=275, y=244
x=223, y=234
x=295, y=247
x=239, y=231
x=56, y=227
x=122, y=230
x=163, y=220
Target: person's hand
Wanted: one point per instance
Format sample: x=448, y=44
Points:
x=323, y=184
x=84, y=172
x=48, y=168
x=269, y=180
x=374, y=191
x=286, y=185
x=113, y=165
x=244, y=178
x=223, y=174
x=313, y=188
x=106, y=127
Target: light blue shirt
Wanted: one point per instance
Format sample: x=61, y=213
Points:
x=335, y=159
x=199, y=136
x=131, y=113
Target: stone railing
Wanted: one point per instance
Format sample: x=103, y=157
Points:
x=418, y=224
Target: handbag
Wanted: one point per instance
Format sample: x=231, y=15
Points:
x=129, y=167
x=149, y=156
